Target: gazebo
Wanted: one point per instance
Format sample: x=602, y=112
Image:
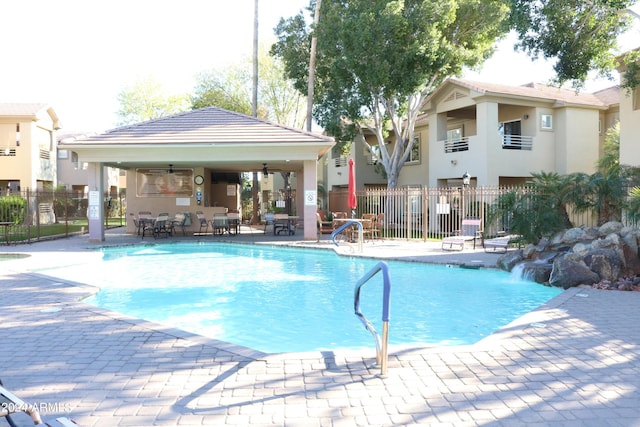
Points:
x=187, y=162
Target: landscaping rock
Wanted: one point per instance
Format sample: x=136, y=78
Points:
x=567, y=273
x=606, y=256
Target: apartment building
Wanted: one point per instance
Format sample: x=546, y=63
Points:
x=27, y=146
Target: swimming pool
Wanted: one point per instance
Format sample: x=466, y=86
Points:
x=290, y=299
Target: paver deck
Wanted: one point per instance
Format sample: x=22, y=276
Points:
x=572, y=362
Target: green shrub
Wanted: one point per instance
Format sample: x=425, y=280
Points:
x=13, y=209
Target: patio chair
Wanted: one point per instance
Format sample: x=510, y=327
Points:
x=234, y=222
x=179, y=221
x=378, y=224
x=269, y=219
x=158, y=227
x=469, y=232
x=326, y=226
x=369, y=226
x=204, y=223
x=338, y=215
x=281, y=224
x=136, y=223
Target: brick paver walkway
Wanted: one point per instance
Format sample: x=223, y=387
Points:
x=572, y=362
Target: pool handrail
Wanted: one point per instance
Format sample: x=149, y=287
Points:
x=343, y=227
x=381, y=343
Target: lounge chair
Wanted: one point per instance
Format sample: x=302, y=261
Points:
x=469, y=232
x=500, y=244
x=497, y=244
x=12, y=404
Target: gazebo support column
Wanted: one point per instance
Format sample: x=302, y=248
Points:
x=95, y=211
x=309, y=199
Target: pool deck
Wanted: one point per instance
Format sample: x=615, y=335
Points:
x=573, y=362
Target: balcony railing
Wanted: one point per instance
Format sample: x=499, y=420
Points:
x=341, y=161
x=517, y=142
x=455, y=145
x=509, y=142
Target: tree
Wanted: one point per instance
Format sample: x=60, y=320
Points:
x=231, y=89
x=378, y=60
x=580, y=35
x=145, y=100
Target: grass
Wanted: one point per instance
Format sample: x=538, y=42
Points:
x=22, y=233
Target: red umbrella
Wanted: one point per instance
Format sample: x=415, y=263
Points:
x=352, y=201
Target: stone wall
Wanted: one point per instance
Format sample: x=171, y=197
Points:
x=603, y=256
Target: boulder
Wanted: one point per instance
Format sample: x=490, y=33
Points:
x=606, y=263
x=631, y=261
x=567, y=273
x=539, y=272
x=573, y=235
x=509, y=260
x=610, y=227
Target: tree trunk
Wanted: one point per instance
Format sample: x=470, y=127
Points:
x=312, y=67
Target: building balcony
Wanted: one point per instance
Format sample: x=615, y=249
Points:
x=508, y=142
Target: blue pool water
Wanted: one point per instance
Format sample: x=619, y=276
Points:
x=291, y=299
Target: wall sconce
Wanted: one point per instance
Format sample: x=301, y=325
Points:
x=526, y=117
x=265, y=172
x=466, y=179
x=454, y=162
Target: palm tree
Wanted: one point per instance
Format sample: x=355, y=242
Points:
x=558, y=192
x=606, y=191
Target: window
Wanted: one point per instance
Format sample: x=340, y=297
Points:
x=546, y=121
x=510, y=128
x=454, y=134
x=510, y=134
x=63, y=154
x=415, y=150
x=373, y=157
x=455, y=141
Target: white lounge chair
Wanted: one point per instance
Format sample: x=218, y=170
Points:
x=469, y=232
x=499, y=244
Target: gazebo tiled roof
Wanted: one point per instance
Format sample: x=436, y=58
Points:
x=210, y=137
x=205, y=126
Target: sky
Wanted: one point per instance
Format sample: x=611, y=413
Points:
x=77, y=55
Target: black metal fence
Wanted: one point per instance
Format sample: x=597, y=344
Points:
x=34, y=215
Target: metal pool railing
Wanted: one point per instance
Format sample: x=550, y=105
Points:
x=338, y=231
x=381, y=343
